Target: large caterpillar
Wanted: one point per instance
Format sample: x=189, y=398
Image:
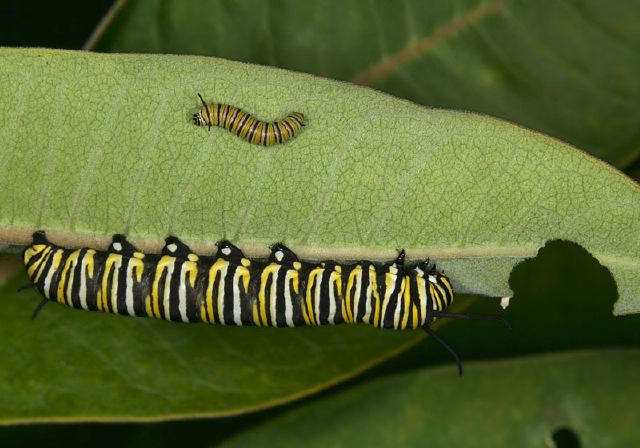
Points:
x=246, y=126
x=230, y=289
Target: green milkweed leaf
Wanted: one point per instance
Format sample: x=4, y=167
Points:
x=568, y=395
x=99, y=144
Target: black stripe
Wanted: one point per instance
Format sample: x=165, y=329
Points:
x=174, y=290
x=281, y=319
x=289, y=128
x=218, y=110
x=297, y=120
x=267, y=300
x=415, y=298
x=276, y=130
x=215, y=298
x=121, y=305
x=393, y=300
x=252, y=130
x=227, y=306
x=243, y=120
x=234, y=114
x=298, y=299
x=94, y=283
x=75, y=286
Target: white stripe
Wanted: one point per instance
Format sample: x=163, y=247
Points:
x=367, y=310
x=273, y=298
x=47, y=280
x=356, y=297
x=129, y=290
x=288, y=300
x=442, y=293
x=182, y=291
x=167, y=290
x=396, y=314
x=223, y=275
x=385, y=302
x=422, y=293
x=114, y=286
x=332, y=299
x=236, y=297
x=72, y=271
x=82, y=292
x=318, y=290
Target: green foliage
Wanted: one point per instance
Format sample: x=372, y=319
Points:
x=519, y=402
x=91, y=145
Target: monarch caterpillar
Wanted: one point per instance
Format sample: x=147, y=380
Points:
x=246, y=126
x=230, y=289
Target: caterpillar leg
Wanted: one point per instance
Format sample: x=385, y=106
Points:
x=41, y=305
x=443, y=343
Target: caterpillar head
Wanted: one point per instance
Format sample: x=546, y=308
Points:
x=198, y=120
x=442, y=291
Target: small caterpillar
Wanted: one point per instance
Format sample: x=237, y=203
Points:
x=230, y=289
x=247, y=127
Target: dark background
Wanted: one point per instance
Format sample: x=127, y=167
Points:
x=558, y=301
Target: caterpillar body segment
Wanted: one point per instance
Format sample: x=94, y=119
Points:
x=246, y=126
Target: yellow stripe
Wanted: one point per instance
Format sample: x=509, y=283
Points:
x=147, y=302
x=162, y=265
x=284, y=131
x=271, y=134
x=246, y=127
x=217, y=267
x=262, y=298
x=407, y=301
x=57, y=257
x=309, y=300
x=227, y=122
x=237, y=121
x=32, y=252
x=64, y=277
x=374, y=287
x=106, y=285
x=244, y=276
x=42, y=263
x=257, y=135
x=354, y=276
x=422, y=297
x=447, y=284
x=435, y=296
x=88, y=257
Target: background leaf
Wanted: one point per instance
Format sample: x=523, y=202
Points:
x=566, y=68
x=576, y=391
x=76, y=366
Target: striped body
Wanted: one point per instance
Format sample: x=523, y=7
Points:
x=230, y=289
x=248, y=127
